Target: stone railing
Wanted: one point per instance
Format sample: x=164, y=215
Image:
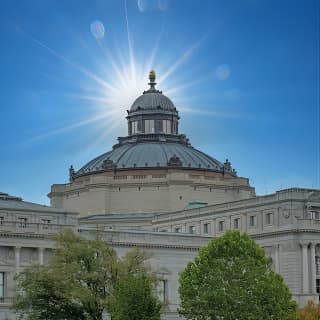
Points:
x=6, y=300
x=30, y=227
x=308, y=224
x=147, y=238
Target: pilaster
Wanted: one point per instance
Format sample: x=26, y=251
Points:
x=305, y=268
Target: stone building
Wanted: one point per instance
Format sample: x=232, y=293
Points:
x=154, y=191
x=153, y=169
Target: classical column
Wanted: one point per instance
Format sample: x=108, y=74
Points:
x=17, y=259
x=276, y=258
x=41, y=255
x=313, y=267
x=305, y=269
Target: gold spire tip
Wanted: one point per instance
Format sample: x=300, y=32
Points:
x=152, y=76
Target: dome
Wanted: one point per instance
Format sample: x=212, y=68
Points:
x=152, y=155
x=153, y=141
x=153, y=100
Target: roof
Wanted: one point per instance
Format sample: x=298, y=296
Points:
x=155, y=154
x=153, y=100
x=15, y=203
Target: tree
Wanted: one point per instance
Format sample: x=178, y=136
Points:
x=134, y=299
x=231, y=279
x=78, y=282
x=310, y=312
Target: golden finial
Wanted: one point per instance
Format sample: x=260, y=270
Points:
x=152, y=76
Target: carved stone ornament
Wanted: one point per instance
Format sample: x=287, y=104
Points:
x=107, y=164
x=286, y=213
x=227, y=165
x=72, y=174
x=174, y=161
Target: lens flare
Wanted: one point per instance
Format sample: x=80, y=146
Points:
x=148, y=5
x=97, y=29
x=223, y=72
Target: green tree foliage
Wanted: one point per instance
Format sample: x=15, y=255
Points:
x=78, y=283
x=231, y=279
x=134, y=299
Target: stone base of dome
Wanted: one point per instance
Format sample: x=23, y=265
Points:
x=136, y=191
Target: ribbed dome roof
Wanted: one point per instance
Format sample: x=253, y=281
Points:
x=152, y=154
x=152, y=100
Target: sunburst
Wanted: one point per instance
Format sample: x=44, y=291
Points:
x=110, y=100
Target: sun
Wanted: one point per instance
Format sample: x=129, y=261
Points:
x=111, y=96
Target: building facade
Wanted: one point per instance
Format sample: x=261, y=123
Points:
x=154, y=191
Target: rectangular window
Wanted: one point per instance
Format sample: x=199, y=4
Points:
x=139, y=126
x=1, y=220
x=134, y=127
x=252, y=221
x=158, y=126
x=318, y=286
x=206, y=228
x=149, y=126
x=22, y=222
x=177, y=230
x=161, y=290
x=146, y=126
x=269, y=218
x=236, y=223
x=315, y=215
x=1, y=285
x=166, y=126
x=317, y=265
x=220, y=226
x=192, y=229
x=174, y=127
x=45, y=223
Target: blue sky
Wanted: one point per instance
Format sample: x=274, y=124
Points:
x=244, y=75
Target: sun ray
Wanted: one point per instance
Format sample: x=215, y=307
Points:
x=129, y=80
x=69, y=127
x=66, y=60
x=174, y=90
x=185, y=56
x=131, y=55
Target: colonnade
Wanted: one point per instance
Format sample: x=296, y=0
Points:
x=308, y=267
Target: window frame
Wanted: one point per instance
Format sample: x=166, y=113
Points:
x=221, y=226
x=2, y=284
x=192, y=229
x=236, y=223
x=206, y=228
x=252, y=221
x=269, y=218
x=162, y=290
